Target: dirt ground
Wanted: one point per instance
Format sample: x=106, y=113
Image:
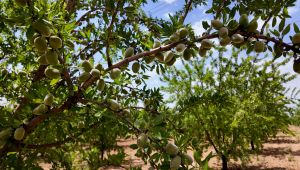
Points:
x=280, y=153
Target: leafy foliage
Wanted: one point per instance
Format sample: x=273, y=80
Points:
x=81, y=52
x=228, y=102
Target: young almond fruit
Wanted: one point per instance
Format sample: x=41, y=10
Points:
x=175, y=163
x=156, y=44
x=95, y=72
x=84, y=76
x=216, y=24
x=183, y=32
x=40, y=44
x=206, y=43
x=225, y=41
x=19, y=133
x=129, y=52
x=48, y=100
x=55, y=42
x=86, y=65
x=115, y=73
x=40, y=109
x=42, y=60
x=296, y=66
x=237, y=38
x=171, y=149
x=52, y=73
x=114, y=105
x=259, y=46
x=160, y=57
x=296, y=38
x=180, y=47
x=169, y=56
x=187, y=54
x=136, y=67
x=252, y=27
x=244, y=21
x=223, y=32
x=142, y=140
x=101, y=85
x=52, y=57
x=42, y=28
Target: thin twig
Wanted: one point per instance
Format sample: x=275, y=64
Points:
x=109, y=29
x=220, y=9
x=265, y=23
x=59, y=143
x=187, y=9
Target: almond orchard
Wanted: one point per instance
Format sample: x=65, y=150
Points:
x=74, y=80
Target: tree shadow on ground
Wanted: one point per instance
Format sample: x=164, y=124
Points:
x=259, y=167
x=279, y=152
x=283, y=141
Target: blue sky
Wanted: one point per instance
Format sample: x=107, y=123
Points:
x=163, y=8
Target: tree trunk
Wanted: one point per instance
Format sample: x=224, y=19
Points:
x=224, y=162
x=252, y=145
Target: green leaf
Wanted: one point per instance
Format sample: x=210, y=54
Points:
x=286, y=30
x=275, y=32
x=233, y=25
x=274, y=21
x=133, y=146
x=281, y=25
x=296, y=28
x=54, y=81
x=285, y=11
x=205, y=25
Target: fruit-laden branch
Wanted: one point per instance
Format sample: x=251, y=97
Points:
x=72, y=100
x=67, y=76
x=120, y=114
x=278, y=42
x=37, y=75
x=59, y=143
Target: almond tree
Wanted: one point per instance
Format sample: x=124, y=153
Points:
x=73, y=72
x=230, y=103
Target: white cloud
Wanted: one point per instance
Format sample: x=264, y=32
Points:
x=169, y=1
x=166, y=15
x=260, y=23
x=293, y=10
x=198, y=28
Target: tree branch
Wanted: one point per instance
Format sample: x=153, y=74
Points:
x=188, y=6
x=90, y=11
x=37, y=75
x=109, y=29
x=77, y=96
x=67, y=76
x=220, y=9
x=265, y=23
x=68, y=139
